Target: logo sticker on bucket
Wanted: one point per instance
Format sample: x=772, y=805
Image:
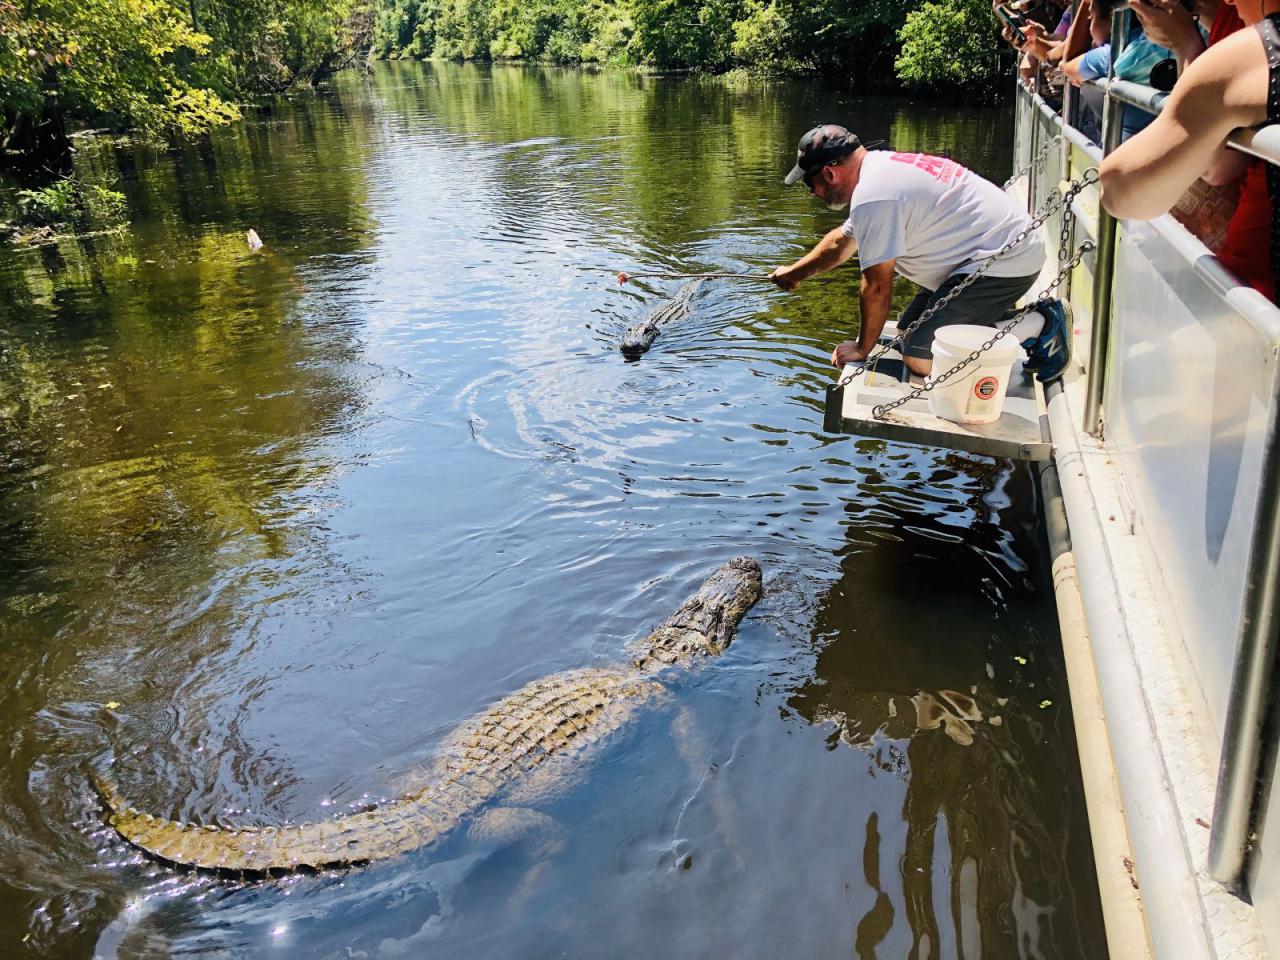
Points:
x=986, y=388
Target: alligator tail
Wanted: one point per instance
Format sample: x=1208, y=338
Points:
x=254, y=852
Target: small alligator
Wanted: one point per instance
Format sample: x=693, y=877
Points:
x=639, y=338
x=557, y=716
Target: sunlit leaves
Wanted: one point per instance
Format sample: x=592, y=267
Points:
x=948, y=42
x=163, y=67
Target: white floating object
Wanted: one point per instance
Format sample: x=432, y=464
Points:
x=255, y=241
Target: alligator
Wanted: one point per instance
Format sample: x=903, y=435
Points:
x=639, y=338
x=558, y=716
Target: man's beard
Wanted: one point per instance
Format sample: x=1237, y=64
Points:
x=837, y=207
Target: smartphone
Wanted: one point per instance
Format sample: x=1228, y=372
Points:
x=1014, y=21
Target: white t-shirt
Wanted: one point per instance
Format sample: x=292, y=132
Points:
x=936, y=218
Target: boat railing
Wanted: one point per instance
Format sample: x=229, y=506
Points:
x=1183, y=392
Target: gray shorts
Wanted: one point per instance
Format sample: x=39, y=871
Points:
x=987, y=302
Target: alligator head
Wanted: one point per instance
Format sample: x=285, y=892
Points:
x=638, y=339
x=706, y=622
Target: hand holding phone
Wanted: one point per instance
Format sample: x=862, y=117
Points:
x=1014, y=21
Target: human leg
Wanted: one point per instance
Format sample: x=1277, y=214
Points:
x=986, y=301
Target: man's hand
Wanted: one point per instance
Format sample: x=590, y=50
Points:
x=788, y=278
x=847, y=352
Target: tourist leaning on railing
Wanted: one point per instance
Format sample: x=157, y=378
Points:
x=1134, y=63
x=1228, y=86
x=1246, y=247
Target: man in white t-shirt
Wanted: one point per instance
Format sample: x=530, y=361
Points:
x=934, y=222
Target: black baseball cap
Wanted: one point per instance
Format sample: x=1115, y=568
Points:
x=822, y=145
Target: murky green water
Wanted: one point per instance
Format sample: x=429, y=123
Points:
x=298, y=514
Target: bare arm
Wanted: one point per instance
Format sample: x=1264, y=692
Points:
x=1228, y=166
x=1225, y=88
x=1078, y=39
x=1038, y=44
x=874, y=297
x=1072, y=69
x=831, y=251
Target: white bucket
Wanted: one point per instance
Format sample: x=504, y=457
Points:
x=976, y=393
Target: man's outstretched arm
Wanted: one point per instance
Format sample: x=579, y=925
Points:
x=831, y=251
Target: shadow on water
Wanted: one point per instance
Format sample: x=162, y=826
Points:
x=272, y=524
x=975, y=722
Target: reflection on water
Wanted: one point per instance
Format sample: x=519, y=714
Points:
x=272, y=524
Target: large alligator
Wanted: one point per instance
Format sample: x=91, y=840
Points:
x=639, y=337
x=557, y=716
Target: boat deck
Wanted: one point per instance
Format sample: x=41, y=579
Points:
x=1021, y=433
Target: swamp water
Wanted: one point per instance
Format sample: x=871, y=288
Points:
x=272, y=524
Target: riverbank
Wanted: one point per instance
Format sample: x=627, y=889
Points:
x=175, y=71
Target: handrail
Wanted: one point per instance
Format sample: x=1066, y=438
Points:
x=1261, y=142
x=1145, y=98
x=1105, y=254
x=1248, y=748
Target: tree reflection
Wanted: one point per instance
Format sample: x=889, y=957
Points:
x=940, y=663
x=164, y=396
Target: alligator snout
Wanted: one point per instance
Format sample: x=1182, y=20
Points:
x=706, y=623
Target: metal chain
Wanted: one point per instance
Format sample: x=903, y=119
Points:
x=879, y=411
x=1056, y=200
x=1068, y=215
x=1035, y=161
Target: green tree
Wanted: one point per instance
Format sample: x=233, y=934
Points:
x=167, y=68
x=396, y=27
x=833, y=37
x=269, y=46
x=684, y=33
x=949, y=43
x=120, y=63
x=462, y=29
x=929, y=43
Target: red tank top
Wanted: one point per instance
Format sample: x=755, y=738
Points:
x=1225, y=22
x=1246, y=252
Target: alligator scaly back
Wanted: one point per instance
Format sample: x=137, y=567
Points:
x=556, y=716
x=639, y=338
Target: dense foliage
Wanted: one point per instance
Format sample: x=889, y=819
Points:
x=71, y=202
x=164, y=67
x=948, y=42
x=926, y=43
x=179, y=67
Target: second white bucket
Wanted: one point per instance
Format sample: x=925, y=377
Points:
x=976, y=393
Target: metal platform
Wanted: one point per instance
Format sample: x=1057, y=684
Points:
x=1021, y=433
